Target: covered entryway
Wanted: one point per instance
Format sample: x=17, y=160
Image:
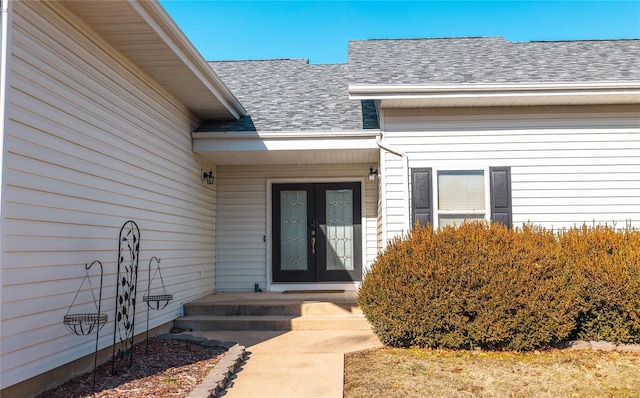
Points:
x=250, y=168
x=317, y=232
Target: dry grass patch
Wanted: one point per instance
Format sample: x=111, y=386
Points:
x=405, y=373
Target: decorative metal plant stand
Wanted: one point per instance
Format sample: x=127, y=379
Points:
x=128, y=253
x=87, y=323
x=155, y=302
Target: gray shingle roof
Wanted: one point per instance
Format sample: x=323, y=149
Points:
x=491, y=60
x=292, y=95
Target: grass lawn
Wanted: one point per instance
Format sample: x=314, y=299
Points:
x=389, y=372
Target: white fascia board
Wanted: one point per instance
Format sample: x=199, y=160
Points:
x=157, y=18
x=283, y=141
x=286, y=135
x=608, y=92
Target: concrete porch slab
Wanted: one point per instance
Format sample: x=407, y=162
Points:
x=277, y=297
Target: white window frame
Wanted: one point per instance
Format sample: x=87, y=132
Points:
x=434, y=190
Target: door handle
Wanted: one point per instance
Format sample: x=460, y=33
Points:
x=313, y=237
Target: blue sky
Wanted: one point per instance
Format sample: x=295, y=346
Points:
x=320, y=30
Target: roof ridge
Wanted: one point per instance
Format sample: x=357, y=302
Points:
x=577, y=40
x=433, y=38
x=305, y=60
x=329, y=64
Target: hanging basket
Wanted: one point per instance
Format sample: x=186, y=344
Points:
x=84, y=324
x=158, y=302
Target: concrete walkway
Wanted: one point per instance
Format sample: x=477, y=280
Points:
x=305, y=363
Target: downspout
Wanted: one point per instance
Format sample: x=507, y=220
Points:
x=4, y=79
x=5, y=22
x=4, y=72
x=405, y=187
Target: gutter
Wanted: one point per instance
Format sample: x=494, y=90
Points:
x=283, y=141
x=470, y=88
x=285, y=135
x=626, y=92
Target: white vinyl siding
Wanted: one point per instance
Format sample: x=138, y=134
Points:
x=395, y=214
x=242, y=231
x=92, y=142
x=569, y=165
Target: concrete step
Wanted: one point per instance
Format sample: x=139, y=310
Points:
x=273, y=322
x=272, y=309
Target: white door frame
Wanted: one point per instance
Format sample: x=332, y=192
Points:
x=278, y=287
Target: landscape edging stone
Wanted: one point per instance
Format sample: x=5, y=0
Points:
x=219, y=377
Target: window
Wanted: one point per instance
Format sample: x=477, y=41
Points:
x=460, y=195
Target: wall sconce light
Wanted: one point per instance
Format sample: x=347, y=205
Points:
x=208, y=177
x=373, y=174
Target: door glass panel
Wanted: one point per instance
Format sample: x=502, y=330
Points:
x=293, y=227
x=340, y=244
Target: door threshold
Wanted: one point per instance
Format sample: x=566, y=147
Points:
x=314, y=291
x=315, y=287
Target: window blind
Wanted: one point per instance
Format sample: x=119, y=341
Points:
x=461, y=190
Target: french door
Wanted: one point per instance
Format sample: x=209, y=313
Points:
x=317, y=232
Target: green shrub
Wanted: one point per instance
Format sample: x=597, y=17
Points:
x=477, y=285
x=606, y=267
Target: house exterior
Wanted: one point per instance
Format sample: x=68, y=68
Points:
x=109, y=114
x=558, y=120
x=478, y=128
x=97, y=116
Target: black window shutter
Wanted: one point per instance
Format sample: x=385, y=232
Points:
x=501, y=195
x=421, y=208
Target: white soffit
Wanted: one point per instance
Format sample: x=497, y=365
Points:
x=144, y=32
x=469, y=95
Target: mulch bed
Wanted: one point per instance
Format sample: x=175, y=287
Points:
x=170, y=369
